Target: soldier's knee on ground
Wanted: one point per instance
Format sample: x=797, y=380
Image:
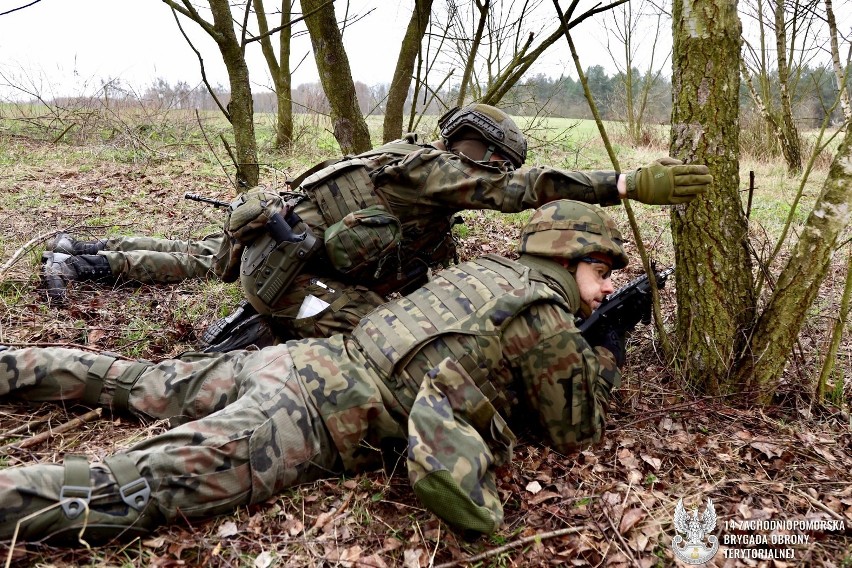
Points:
x=76, y=500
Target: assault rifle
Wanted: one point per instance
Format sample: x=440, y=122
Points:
x=625, y=307
x=214, y=202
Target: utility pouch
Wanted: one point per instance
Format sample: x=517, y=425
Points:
x=357, y=244
x=340, y=189
x=269, y=267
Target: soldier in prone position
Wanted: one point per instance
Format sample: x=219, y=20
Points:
x=376, y=223
x=439, y=374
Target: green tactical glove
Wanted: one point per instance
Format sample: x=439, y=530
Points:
x=668, y=181
x=248, y=216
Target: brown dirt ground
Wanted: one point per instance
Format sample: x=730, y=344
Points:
x=611, y=505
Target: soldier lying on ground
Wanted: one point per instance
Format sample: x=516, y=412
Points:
x=438, y=375
x=379, y=223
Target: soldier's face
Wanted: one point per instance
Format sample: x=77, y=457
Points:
x=593, y=279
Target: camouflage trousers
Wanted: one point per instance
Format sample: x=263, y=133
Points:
x=164, y=261
x=153, y=260
x=244, y=430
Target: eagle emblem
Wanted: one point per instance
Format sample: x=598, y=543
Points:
x=694, y=551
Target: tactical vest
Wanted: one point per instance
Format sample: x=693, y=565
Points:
x=465, y=309
x=358, y=227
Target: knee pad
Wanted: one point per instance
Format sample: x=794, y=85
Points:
x=93, y=504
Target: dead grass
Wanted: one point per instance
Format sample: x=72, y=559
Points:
x=611, y=505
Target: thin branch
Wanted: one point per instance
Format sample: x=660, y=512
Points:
x=23, y=250
x=190, y=12
x=23, y=427
x=44, y=436
x=19, y=8
x=201, y=64
x=509, y=546
x=245, y=27
x=634, y=226
x=287, y=25
x=819, y=505
x=210, y=146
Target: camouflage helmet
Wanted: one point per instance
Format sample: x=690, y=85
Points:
x=570, y=229
x=494, y=125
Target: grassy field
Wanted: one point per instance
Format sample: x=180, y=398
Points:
x=612, y=505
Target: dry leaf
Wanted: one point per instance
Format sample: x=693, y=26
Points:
x=228, y=529
x=652, y=461
x=634, y=476
x=543, y=496
x=373, y=561
x=95, y=334
x=630, y=519
x=769, y=450
x=293, y=526
x=390, y=544
x=413, y=558
x=323, y=519
x=264, y=559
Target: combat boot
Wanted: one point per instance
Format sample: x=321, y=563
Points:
x=60, y=269
x=66, y=244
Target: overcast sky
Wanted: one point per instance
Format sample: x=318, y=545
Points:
x=71, y=45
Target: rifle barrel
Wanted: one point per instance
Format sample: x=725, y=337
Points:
x=202, y=199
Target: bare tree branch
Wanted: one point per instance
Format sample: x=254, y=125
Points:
x=19, y=8
x=200, y=63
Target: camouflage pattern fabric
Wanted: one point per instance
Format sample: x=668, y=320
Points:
x=569, y=229
x=245, y=431
x=152, y=260
x=250, y=423
x=424, y=190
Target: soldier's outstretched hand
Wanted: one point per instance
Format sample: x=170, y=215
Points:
x=668, y=181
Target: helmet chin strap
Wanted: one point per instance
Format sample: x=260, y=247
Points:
x=489, y=152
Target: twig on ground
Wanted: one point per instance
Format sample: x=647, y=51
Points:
x=70, y=346
x=509, y=546
x=23, y=427
x=39, y=438
x=627, y=550
x=23, y=250
x=818, y=505
x=317, y=526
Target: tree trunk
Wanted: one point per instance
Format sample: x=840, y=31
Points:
x=790, y=146
x=797, y=287
x=241, y=107
x=279, y=69
x=715, y=291
x=395, y=106
x=348, y=123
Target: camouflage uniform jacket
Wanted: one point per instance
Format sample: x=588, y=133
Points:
x=427, y=187
x=444, y=368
